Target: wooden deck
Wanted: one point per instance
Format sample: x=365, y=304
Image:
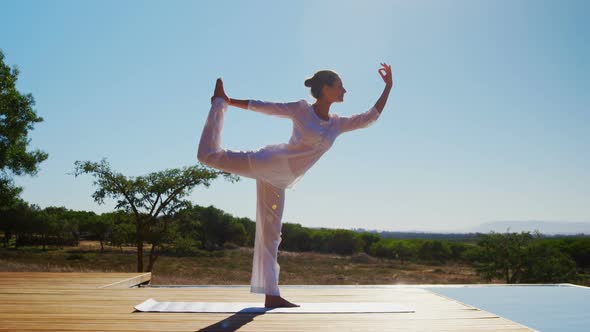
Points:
x=47, y=301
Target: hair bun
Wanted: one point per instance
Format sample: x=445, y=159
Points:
x=308, y=82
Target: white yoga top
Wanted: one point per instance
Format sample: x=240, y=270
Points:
x=283, y=165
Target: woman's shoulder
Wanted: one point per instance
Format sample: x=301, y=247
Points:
x=296, y=104
x=303, y=102
x=300, y=105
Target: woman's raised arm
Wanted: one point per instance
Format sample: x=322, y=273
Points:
x=284, y=110
x=385, y=72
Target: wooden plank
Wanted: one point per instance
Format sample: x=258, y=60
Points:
x=69, y=280
x=130, y=282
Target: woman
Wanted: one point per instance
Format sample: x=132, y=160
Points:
x=278, y=167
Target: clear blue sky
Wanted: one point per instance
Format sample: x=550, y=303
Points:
x=489, y=118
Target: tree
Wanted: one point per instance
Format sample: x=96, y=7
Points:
x=62, y=225
x=383, y=248
x=503, y=256
x=403, y=251
x=11, y=214
x=578, y=249
x=345, y=242
x=319, y=240
x=295, y=237
x=99, y=228
x=77, y=221
x=434, y=251
x=547, y=264
x=213, y=230
x=519, y=257
x=250, y=228
x=368, y=240
x=123, y=232
x=17, y=118
x=237, y=233
x=26, y=227
x=151, y=199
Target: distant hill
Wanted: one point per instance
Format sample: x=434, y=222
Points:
x=548, y=228
x=545, y=227
x=413, y=235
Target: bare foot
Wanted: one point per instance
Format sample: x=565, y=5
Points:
x=219, y=92
x=278, y=302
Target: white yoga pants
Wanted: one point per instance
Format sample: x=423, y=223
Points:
x=269, y=199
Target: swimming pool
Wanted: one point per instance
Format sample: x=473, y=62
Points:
x=559, y=307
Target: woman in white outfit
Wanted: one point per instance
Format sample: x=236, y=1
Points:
x=278, y=167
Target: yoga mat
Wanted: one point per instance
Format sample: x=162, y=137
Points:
x=152, y=305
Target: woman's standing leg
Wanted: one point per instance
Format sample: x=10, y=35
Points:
x=269, y=209
x=269, y=212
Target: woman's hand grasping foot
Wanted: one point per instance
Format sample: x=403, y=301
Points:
x=219, y=92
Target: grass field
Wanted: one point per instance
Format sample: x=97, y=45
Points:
x=232, y=267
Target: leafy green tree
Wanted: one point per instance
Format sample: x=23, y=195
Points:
x=250, y=229
x=151, y=199
x=210, y=228
x=319, y=240
x=123, y=230
x=521, y=257
x=434, y=251
x=295, y=238
x=76, y=221
x=403, y=251
x=10, y=201
x=45, y=226
x=189, y=229
x=186, y=245
x=578, y=249
x=383, y=248
x=368, y=240
x=99, y=227
x=17, y=118
x=457, y=249
x=11, y=215
x=161, y=235
x=236, y=233
x=546, y=263
x=213, y=230
x=345, y=242
x=26, y=228
x=503, y=255
x=62, y=226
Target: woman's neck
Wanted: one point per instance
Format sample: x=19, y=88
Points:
x=322, y=109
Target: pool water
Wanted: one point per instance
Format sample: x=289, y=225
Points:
x=562, y=307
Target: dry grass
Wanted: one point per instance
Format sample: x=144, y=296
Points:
x=232, y=267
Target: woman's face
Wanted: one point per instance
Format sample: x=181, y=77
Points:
x=334, y=93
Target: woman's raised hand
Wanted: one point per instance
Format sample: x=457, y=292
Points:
x=219, y=91
x=385, y=72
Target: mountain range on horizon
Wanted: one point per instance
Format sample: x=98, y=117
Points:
x=515, y=226
x=544, y=227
